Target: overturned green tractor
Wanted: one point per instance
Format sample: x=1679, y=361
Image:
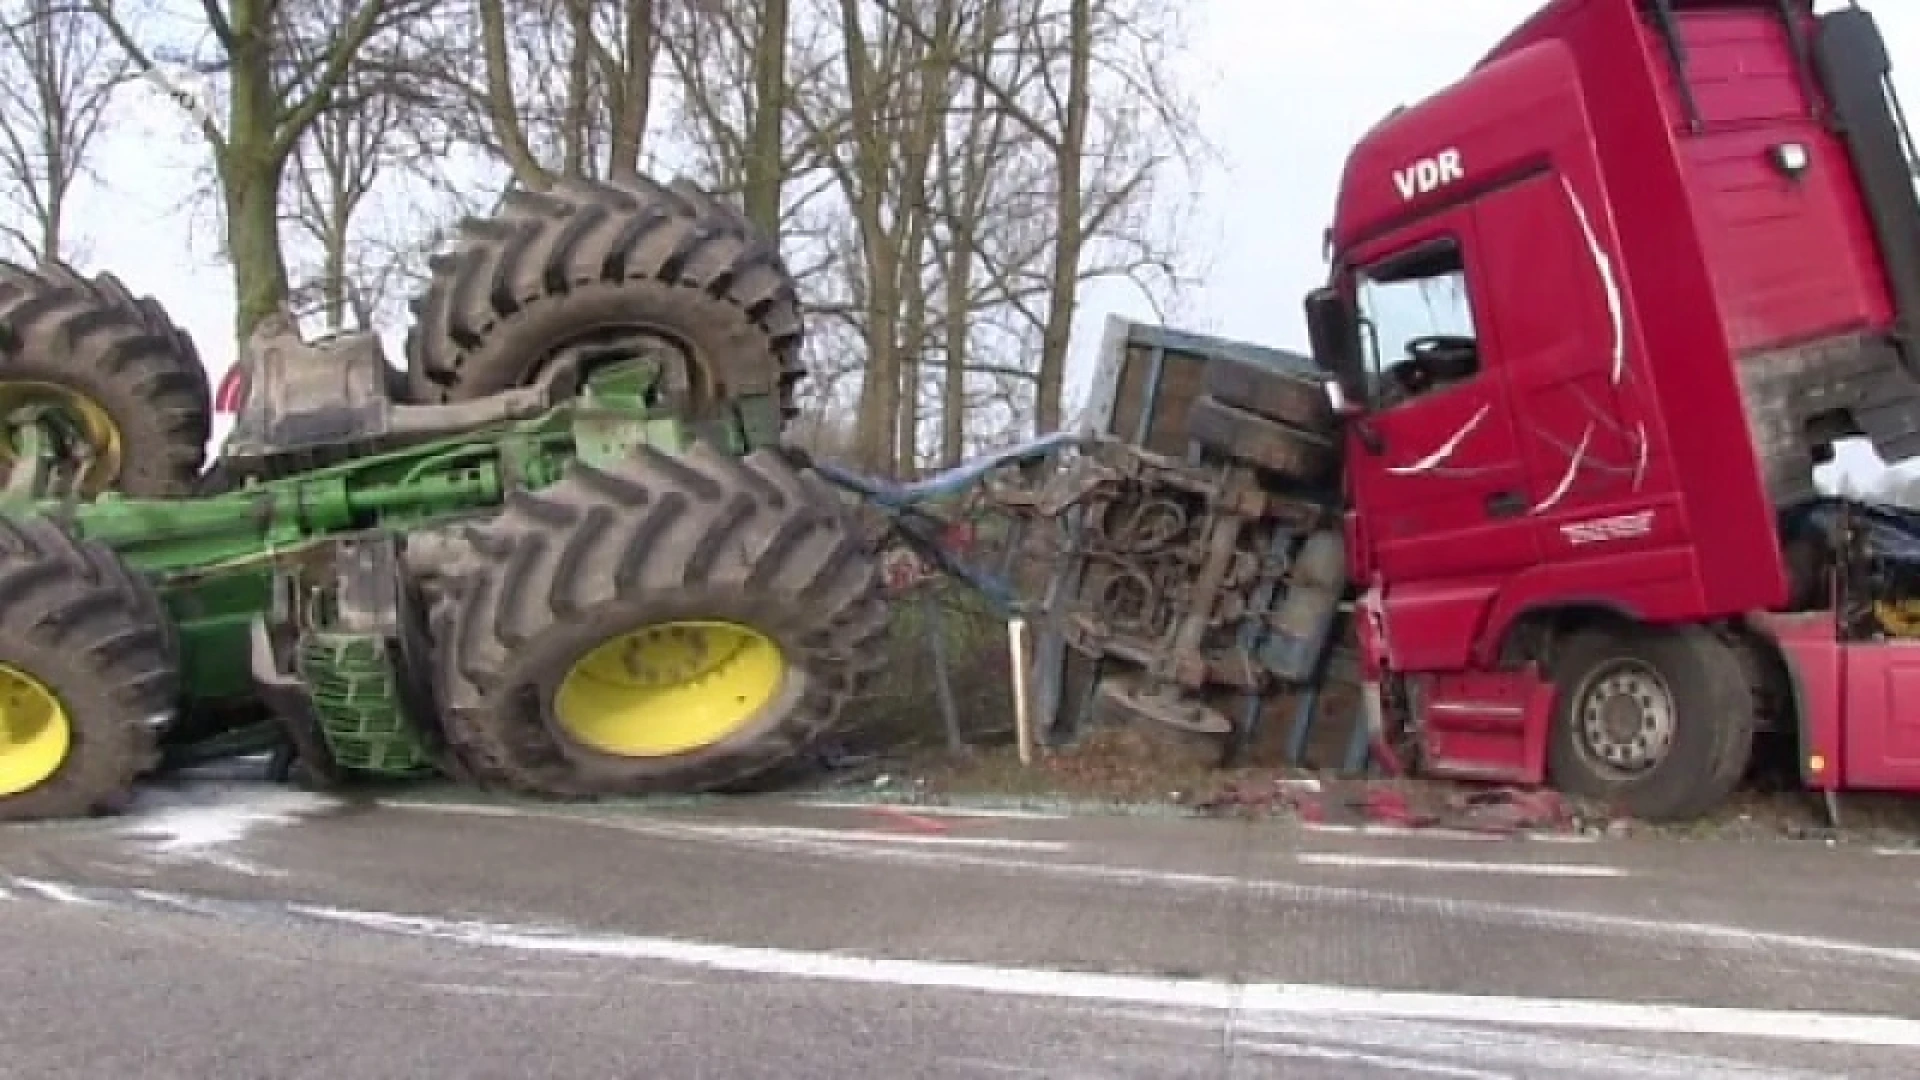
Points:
x=563, y=554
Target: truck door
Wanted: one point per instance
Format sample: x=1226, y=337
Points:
x=1437, y=473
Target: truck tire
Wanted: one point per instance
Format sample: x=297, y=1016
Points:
x=585, y=260
x=1658, y=723
x=1292, y=398
x=126, y=380
x=88, y=674
x=1264, y=444
x=575, y=638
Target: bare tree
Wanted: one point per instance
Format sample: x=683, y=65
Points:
x=281, y=75
x=393, y=134
x=994, y=156
x=594, y=121
x=57, y=76
x=1086, y=81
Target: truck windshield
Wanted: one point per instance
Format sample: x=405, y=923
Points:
x=1422, y=294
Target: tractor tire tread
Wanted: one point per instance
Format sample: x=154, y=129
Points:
x=123, y=354
x=76, y=617
x=520, y=282
x=702, y=534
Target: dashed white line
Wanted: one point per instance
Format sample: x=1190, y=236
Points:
x=1388, y=1062
x=1513, y=916
x=793, y=832
x=1458, y=866
x=1283, y=999
x=985, y=813
x=52, y=890
x=1408, y=832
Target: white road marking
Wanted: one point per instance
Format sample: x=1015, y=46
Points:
x=1399, y=832
x=1377, y=1061
x=52, y=890
x=477, y=990
x=1514, y=916
x=1437, y=832
x=1517, y=1052
x=1281, y=999
x=992, y=843
x=988, y=813
x=1458, y=866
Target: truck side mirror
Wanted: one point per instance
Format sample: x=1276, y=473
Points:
x=1334, y=332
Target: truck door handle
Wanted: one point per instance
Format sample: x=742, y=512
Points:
x=1505, y=504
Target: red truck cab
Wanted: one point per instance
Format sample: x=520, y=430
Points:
x=1597, y=311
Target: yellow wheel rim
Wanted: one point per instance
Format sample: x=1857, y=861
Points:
x=88, y=419
x=670, y=688
x=34, y=732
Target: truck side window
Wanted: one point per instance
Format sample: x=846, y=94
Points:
x=1419, y=332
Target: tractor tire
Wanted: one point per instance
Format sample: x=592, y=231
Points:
x=89, y=674
x=1689, y=702
x=584, y=260
x=109, y=289
x=1292, y=398
x=1267, y=445
x=130, y=381
x=551, y=671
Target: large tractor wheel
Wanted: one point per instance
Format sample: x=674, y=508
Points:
x=587, y=266
x=88, y=674
x=1660, y=723
x=107, y=372
x=676, y=624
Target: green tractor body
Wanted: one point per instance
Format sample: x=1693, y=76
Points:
x=562, y=555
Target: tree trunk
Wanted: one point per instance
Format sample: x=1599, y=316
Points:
x=632, y=100
x=766, y=145
x=953, y=399
x=503, y=110
x=251, y=166
x=253, y=242
x=579, y=86
x=1070, y=239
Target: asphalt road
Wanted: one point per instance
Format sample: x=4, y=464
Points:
x=230, y=930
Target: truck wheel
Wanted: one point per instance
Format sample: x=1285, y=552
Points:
x=676, y=624
x=1659, y=723
x=1265, y=444
x=112, y=371
x=586, y=263
x=88, y=674
x=1292, y=398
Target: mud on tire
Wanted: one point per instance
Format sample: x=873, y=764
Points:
x=553, y=268
x=92, y=634
x=661, y=539
x=94, y=343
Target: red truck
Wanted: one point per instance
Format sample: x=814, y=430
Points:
x=1596, y=313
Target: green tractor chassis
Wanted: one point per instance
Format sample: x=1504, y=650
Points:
x=562, y=556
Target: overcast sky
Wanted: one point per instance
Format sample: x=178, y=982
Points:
x=1283, y=87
